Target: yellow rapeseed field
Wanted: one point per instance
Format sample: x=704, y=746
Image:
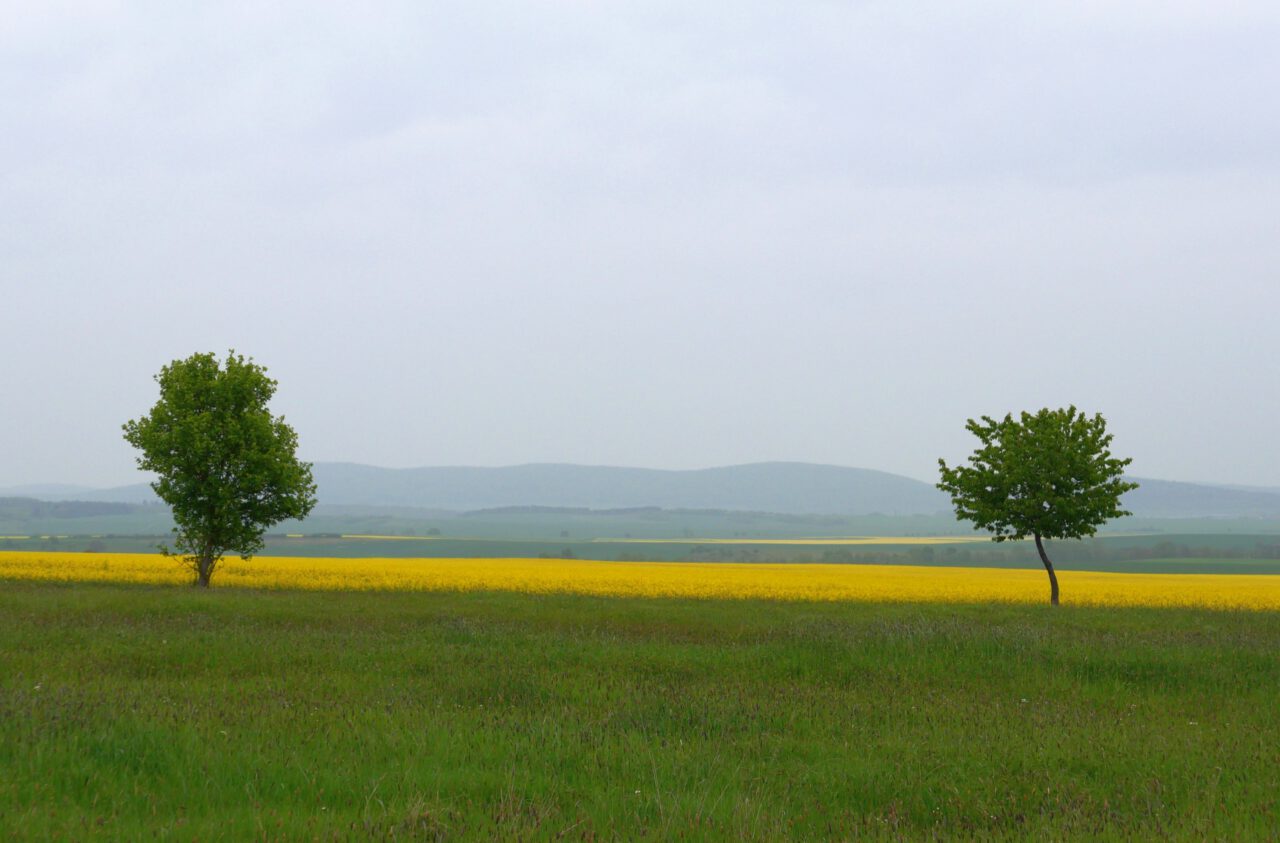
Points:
x=667, y=579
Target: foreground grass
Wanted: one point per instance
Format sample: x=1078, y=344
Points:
x=133, y=711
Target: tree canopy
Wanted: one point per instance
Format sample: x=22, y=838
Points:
x=1047, y=475
x=226, y=467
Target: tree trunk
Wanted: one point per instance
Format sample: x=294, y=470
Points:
x=1048, y=566
x=204, y=571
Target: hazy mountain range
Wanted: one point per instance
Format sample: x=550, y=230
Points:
x=795, y=488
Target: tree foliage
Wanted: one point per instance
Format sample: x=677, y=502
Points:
x=1048, y=475
x=226, y=467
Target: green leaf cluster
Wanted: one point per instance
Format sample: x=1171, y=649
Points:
x=226, y=467
x=1049, y=474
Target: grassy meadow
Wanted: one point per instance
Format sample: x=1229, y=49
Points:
x=133, y=711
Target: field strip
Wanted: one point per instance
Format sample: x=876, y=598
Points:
x=373, y=537
x=816, y=540
x=874, y=583
x=803, y=540
x=381, y=538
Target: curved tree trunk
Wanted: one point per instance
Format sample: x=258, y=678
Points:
x=1048, y=566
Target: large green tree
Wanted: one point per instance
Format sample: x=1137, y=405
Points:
x=1048, y=475
x=226, y=467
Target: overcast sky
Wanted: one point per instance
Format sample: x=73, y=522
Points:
x=672, y=235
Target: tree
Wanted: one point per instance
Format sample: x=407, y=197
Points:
x=227, y=467
x=1047, y=476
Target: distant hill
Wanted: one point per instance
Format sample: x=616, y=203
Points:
x=781, y=487
x=760, y=487
x=20, y=508
x=1274, y=490
x=133, y=493
x=1169, y=499
x=47, y=491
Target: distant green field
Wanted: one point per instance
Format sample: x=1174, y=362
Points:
x=1131, y=545
x=134, y=712
x=581, y=526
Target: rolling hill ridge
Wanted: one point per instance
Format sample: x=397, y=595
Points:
x=781, y=487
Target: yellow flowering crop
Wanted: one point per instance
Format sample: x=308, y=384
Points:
x=667, y=579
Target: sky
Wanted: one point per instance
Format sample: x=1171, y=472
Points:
x=655, y=234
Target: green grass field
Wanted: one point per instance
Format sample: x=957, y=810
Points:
x=135, y=712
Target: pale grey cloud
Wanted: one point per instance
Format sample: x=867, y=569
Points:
x=645, y=234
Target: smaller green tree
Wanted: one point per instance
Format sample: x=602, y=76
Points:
x=1050, y=475
x=226, y=467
